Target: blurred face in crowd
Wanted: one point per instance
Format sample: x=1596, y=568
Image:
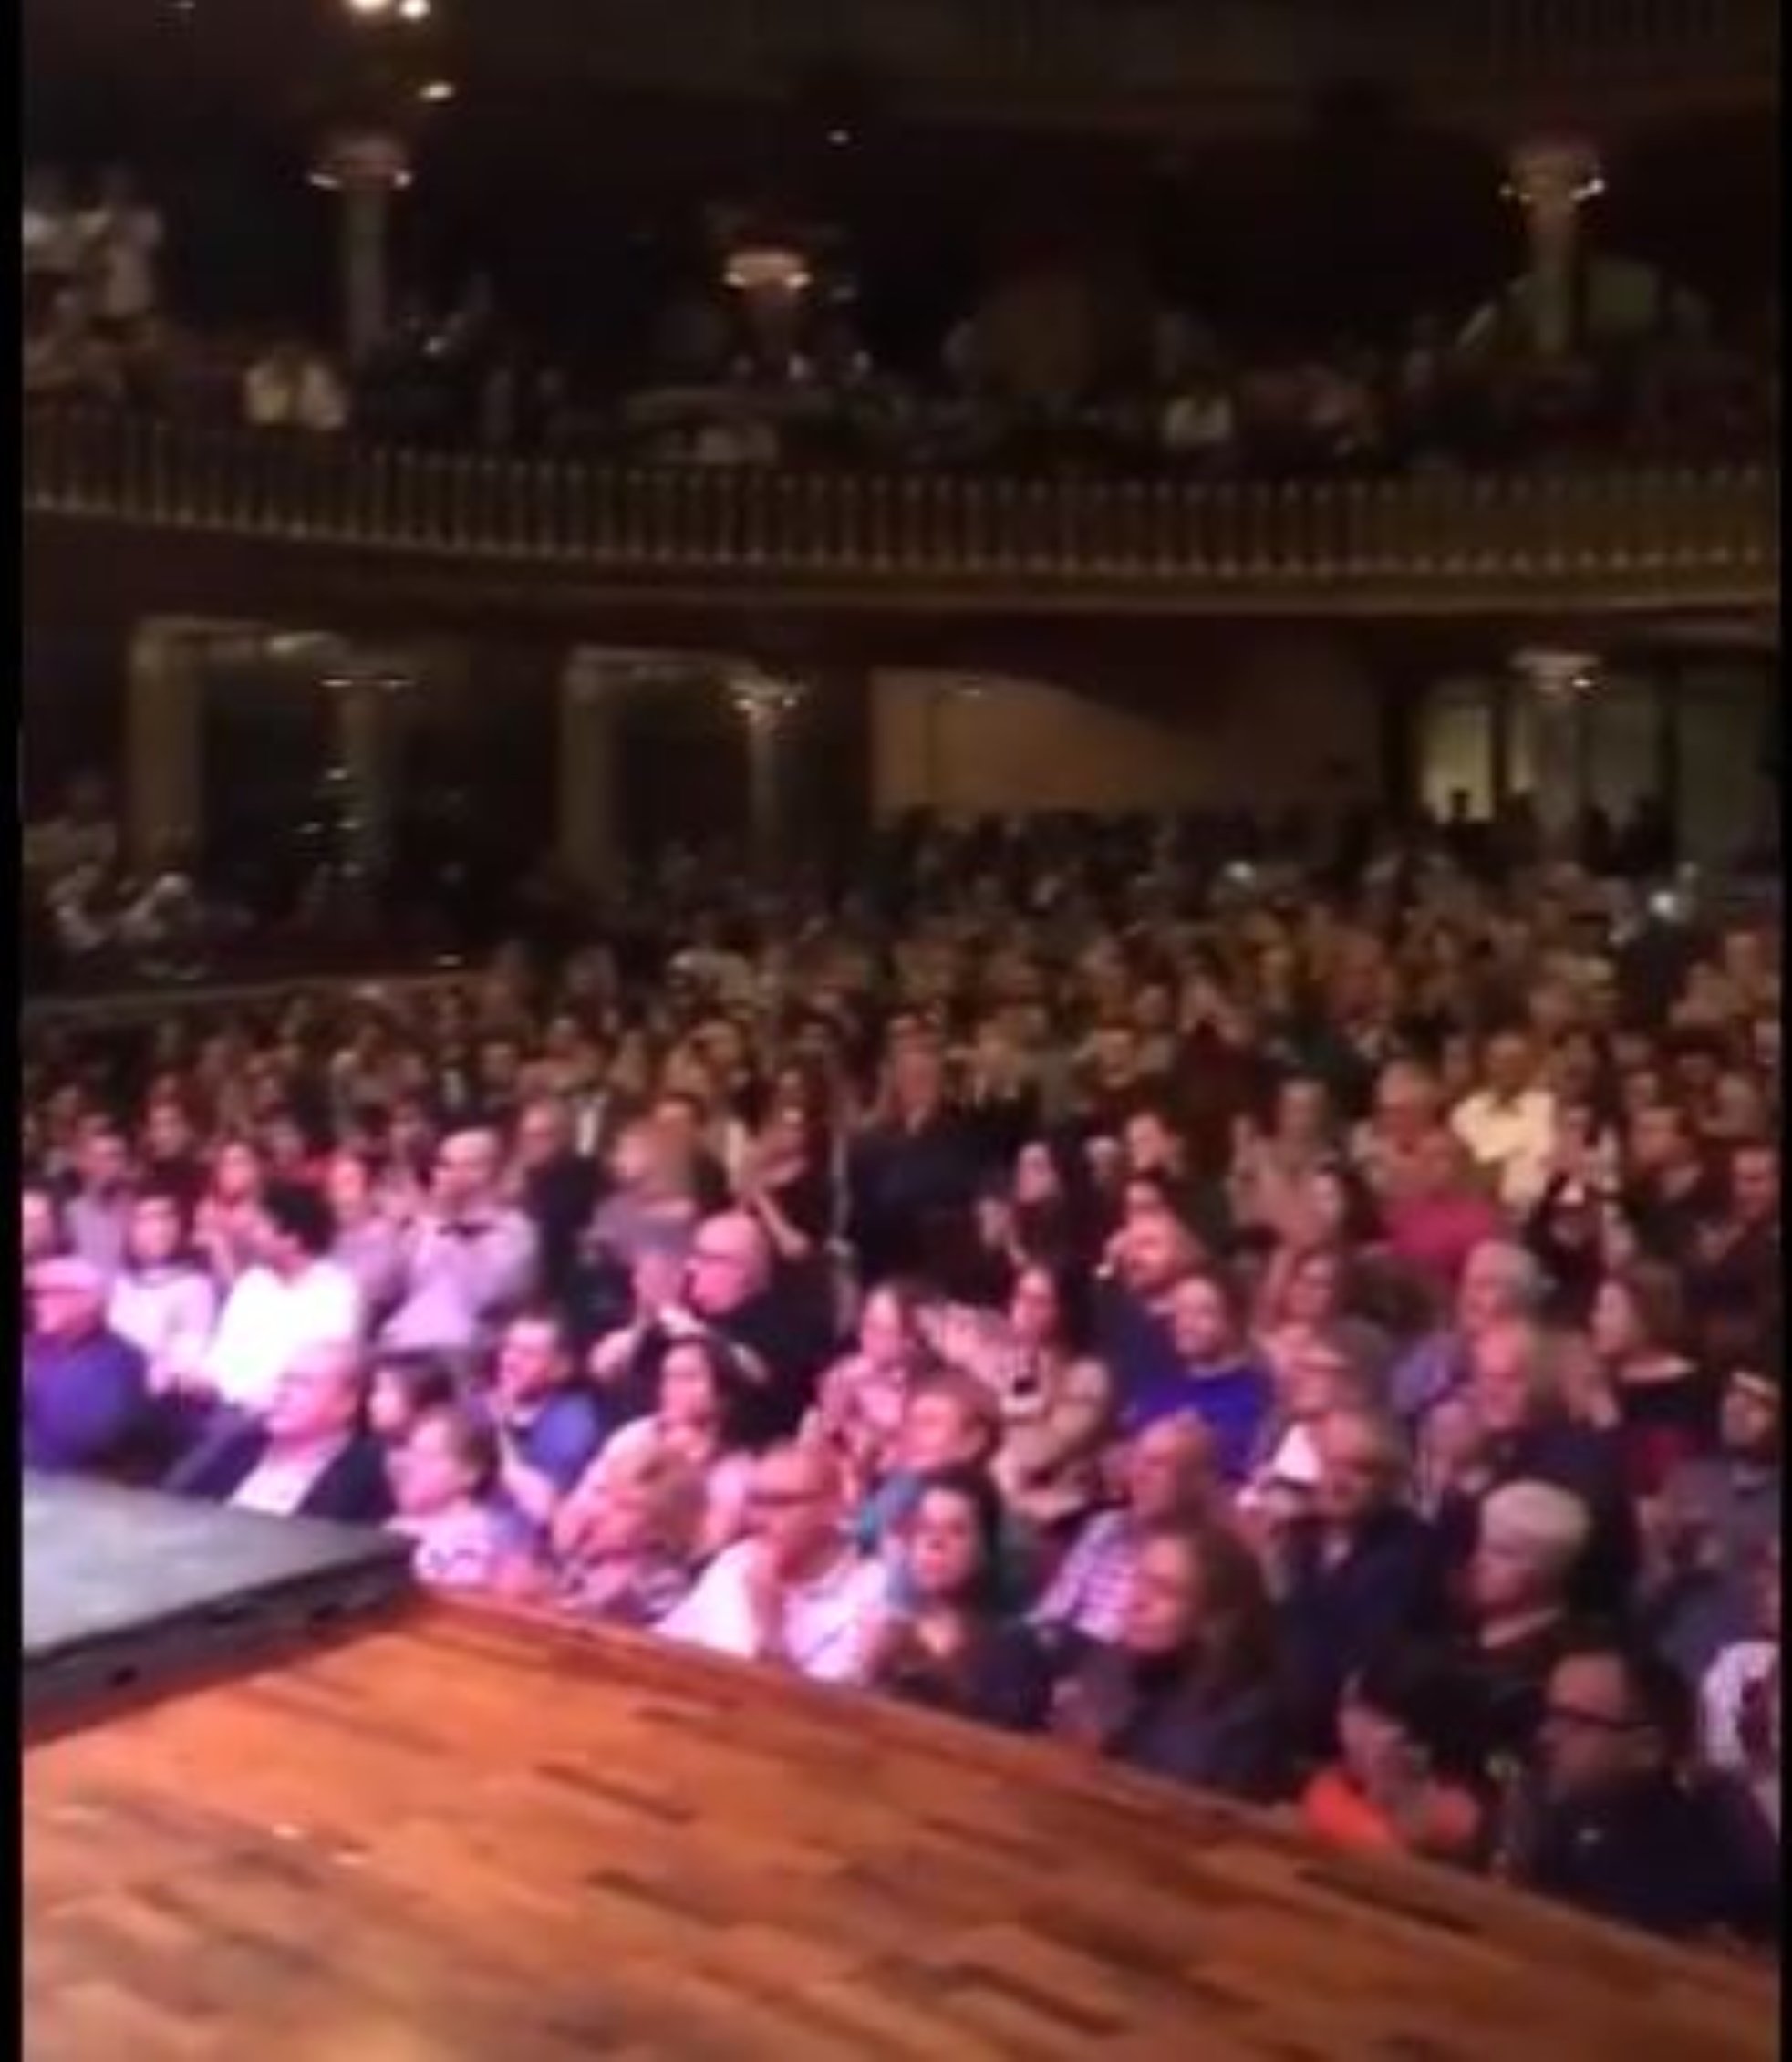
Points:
x=1301, y=1114
x=688, y=1392
x=794, y=1505
x=1168, y=1470
x=1592, y=1736
x=1036, y=1176
x=943, y=1548
x=727, y=1265
x=1755, y=1185
x=37, y=1227
x=1153, y=1254
x=1200, y=1324
x=1505, y=1379
x=105, y=1161
x=1616, y=1327
x=1507, y=1575
x=466, y=1167
x=1032, y=1311
x=167, y=1133
x=940, y=1429
x=318, y=1397
x=155, y=1232
x=1508, y=1065
x=1750, y=1419
x=885, y=1335
x=531, y=1359
x=543, y=1134
x=1657, y=1140
x=1405, y=1105
x=1152, y=1147
x=68, y=1301
x=1163, y=1600
x=431, y=1472
x=1492, y=1288
x=348, y=1189
x=1312, y=1294
x=1359, y=1468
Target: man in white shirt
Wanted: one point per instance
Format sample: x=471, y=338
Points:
x=1509, y=1125
x=291, y=1300
x=470, y=1262
x=794, y=1593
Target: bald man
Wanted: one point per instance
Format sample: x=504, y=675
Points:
x=794, y=1593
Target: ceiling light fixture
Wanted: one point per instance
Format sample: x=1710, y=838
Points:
x=437, y=91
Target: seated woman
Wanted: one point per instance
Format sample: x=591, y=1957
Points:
x=1192, y=1690
x=1057, y=1404
x=859, y=1408
x=1666, y=1407
x=1739, y=1700
x=700, y=1414
x=443, y=1478
x=626, y=1553
x=1408, y=1776
x=950, y=1645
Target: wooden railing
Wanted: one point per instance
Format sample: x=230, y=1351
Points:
x=1674, y=535
x=1058, y=49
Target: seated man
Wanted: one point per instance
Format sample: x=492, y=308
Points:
x=469, y=1259
x=85, y=1400
x=1622, y=1831
x=549, y=1427
x=307, y=1455
x=1169, y=1479
x=795, y=1592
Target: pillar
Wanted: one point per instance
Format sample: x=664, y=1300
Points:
x=1398, y=709
x=1499, y=746
x=1558, y=683
x=365, y=170
x=586, y=771
x=163, y=744
x=360, y=777
x=1551, y=178
x=766, y=708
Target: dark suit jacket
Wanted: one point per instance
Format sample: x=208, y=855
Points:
x=352, y=1490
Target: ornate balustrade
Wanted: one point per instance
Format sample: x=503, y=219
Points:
x=1644, y=537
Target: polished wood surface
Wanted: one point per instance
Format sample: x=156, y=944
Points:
x=464, y=1839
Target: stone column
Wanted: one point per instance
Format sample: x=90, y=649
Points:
x=365, y=169
x=766, y=707
x=1551, y=178
x=585, y=770
x=360, y=775
x=1557, y=683
x=164, y=804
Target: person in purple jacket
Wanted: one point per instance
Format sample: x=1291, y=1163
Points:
x=85, y=1405
x=1216, y=1376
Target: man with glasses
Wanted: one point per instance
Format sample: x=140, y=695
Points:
x=794, y=1593
x=729, y=1290
x=1621, y=1830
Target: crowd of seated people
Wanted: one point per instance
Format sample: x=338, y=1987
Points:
x=1190, y=402
x=1316, y=1342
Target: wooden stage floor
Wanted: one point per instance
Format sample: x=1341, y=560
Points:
x=455, y=1837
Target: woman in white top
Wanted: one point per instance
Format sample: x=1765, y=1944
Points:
x=162, y=1301
x=1739, y=1700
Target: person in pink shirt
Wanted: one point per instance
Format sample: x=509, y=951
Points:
x=1444, y=1215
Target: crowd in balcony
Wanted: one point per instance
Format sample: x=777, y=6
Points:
x=1649, y=377
x=1312, y=1335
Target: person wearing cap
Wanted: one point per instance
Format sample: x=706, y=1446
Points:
x=1516, y=1610
x=85, y=1391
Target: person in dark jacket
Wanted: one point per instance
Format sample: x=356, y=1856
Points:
x=86, y=1400
x=950, y=1645
x=309, y=1455
x=1193, y=1689
x=1356, y=1571
x=1621, y=1829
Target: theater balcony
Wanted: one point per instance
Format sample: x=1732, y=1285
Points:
x=124, y=516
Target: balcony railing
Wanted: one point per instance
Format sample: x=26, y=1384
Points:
x=1154, y=49
x=1633, y=537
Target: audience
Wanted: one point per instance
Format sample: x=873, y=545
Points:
x=1329, y=1356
